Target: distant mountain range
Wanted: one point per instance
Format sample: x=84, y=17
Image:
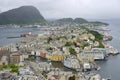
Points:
x=31, y=15
x=79, y=21
x=76, y=20
x=21, y=15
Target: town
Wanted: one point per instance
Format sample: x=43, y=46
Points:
x=61, y=53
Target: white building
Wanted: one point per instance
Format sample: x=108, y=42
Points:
x=96, y=53
x=86, y=66
x=44, y=66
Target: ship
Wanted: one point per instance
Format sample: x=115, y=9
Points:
x=113, y=51
x=36, y=26
x=13, y=37
x=27, y=35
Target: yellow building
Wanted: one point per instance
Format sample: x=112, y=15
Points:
x=57, y=57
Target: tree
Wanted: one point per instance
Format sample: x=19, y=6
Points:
x=69, y=44
x=72, y=51
x=16, y=70
x=12, y=65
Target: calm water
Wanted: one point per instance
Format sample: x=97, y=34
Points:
x=14, y=32
x=111, y=67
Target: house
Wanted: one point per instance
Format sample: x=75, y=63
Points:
x=86, y=65
x=4, y=56
x=44, y=66
x=5, y=76
x=4, y=60
x=28, y=77
x=16, y=58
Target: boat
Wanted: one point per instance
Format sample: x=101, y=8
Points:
x=106, y=79
x=27, y=35
x=113, y=51
x=98, y=68
x=13, y=37
x=36, y=26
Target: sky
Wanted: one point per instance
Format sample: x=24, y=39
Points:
x=54, y=9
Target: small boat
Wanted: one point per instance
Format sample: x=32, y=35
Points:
x=13, y=37
x=98, y=68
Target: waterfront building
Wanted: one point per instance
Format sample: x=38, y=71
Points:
x=96, y=53
x=95, y=77
x=71, y=62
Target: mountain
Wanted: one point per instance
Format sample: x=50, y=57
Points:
x=65, y=20
x=97, y=23
x=80, y=20
x=76, y=20
x=21, y=15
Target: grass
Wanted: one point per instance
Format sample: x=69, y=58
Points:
x=13, y=68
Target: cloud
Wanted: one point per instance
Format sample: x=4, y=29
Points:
x=93, y=9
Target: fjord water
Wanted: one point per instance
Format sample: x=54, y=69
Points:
x=111, y=67
x=14, y=32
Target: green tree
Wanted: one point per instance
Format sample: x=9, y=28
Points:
x=72, y=51
x=69, y=44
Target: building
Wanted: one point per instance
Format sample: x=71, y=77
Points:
x=44, y=66
x=86, y=66
x=43, y=54
x=4, y=56
x=5, y=76
x=25, y=71
x=4, y=60
x=56, y=57
x=71, y=62
x=28, y=77
x=16, y=58
x=95, y=53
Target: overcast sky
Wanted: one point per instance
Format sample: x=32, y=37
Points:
x=90, y=9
